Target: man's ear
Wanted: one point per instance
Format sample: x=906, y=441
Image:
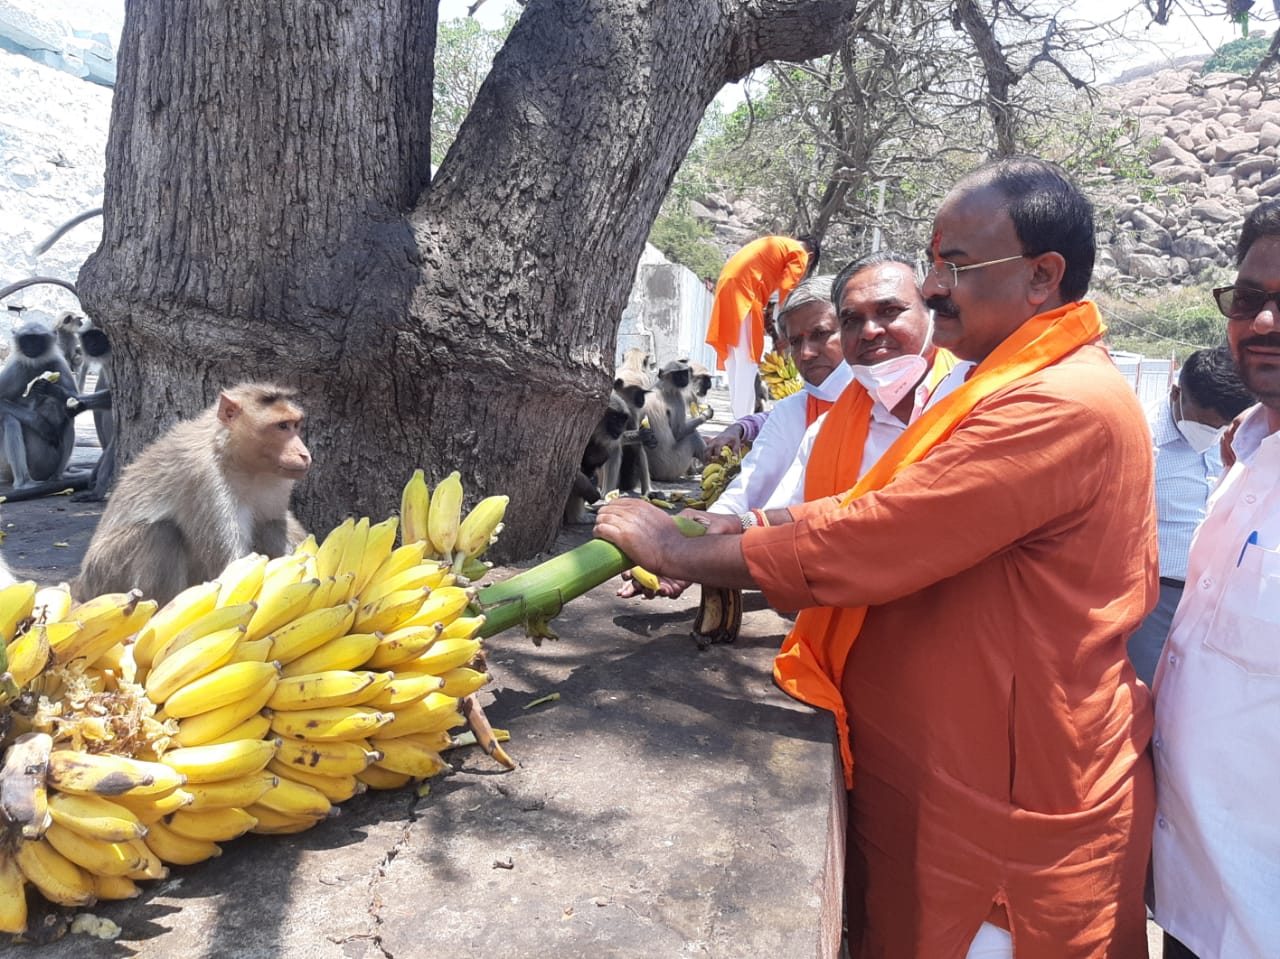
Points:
x=1047, y=270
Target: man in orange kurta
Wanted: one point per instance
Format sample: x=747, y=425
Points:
x=736, y=331
x=968, y=604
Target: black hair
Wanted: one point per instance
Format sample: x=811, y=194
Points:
x=1264, y=220
x=861, y=263
x=1049, y=212
x=815, y=252
x=1211, y=378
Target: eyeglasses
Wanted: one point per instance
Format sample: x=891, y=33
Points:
x=1243, y=302
x=939, y=270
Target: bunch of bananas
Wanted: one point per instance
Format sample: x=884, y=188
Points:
x=779, y=373
x=140, y=736
x=718, y=473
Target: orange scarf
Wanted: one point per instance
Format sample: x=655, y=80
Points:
x=810, y=666
x=836, y=458
x=814, y=407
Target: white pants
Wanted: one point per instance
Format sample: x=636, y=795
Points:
x=991, y=942
x=740, y=370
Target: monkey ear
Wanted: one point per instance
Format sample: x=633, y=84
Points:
x=228, y=409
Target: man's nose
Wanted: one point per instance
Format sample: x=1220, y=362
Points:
x=1267, y=319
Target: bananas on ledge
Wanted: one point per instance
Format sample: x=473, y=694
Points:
x=141, y=738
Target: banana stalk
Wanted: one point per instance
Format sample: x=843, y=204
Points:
x=534, y=597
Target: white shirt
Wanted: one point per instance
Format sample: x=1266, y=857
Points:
x=775, y=448
x=1184, y=479
x=1216, y=745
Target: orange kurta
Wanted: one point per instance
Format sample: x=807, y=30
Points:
x=745, y=285
x=999, y=730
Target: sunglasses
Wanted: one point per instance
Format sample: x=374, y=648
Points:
x=1243, y=302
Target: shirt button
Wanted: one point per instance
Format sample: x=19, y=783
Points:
x=1250, y=498
x=1206, y=583
x=1160, y=821
x=1173, y=659
x=1157, y=742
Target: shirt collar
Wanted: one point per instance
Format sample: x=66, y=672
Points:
x=1252, y=433
x=1164, y=429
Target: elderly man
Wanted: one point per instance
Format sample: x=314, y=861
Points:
x=1186, y=427
x=1216, y=855
x=989, y=567
x=771, y=264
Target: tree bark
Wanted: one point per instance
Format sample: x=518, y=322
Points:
x=269, y=215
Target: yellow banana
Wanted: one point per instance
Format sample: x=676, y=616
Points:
x=334, y=687
x=333, y=788
x=205, y=764
x=430, y=574
x=150, y=808
x=212, y=825
x=13, y=895
x=443, y=606
x=294, y=798
x=328, y=722
x=311, y=631
x=52, y=603
x=336, y=758
x=379, y=777
x=95, y=817
x=251, y=651
x=57, y=877
x=210, y=727
x=461, y=681
x=405, y=754
x=401, y=558
x=96, y=856
x=225, y=686
x=241, y=580
x=415, y=506
x=403, y=689
x=353, y=549
x=172, y=846
x=329, y=555
x=334, y=591
x=377, y=548
x=307, y=547
x=481, y=525
x=107, y=775
x=401, y=645
x=444, y=655
x=109, y=888
x=217, y=620
x=103, y=623
x=151, y=867
x=241, y=791
x=464, y=627
x=278, y=608
x=346, y=652
x=445, y=514
x=272, y=823
x=192, y=661
x=283, y=570
x=175, y=616
x=106, y=652
x=17, y=601
x=432, y=713
x=256, y=726
x=30, y=652
x=390, y=611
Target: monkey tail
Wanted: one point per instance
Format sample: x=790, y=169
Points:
x=35, y=280
x=73, y=484
x=56, y=235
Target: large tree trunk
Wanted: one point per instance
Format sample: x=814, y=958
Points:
x=269, y=215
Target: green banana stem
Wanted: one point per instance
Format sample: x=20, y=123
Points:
x=532, y=598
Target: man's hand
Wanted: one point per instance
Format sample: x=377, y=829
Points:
x=730, y=436
x=644, y=532
x=667, y=587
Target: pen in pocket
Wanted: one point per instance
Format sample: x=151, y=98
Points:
x=1252, y=540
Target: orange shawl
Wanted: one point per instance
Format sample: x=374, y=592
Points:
x=749, y=278
x=811, y=664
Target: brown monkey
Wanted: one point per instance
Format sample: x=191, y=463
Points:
x=210, y=490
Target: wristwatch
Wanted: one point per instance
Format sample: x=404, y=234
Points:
x=748, y=520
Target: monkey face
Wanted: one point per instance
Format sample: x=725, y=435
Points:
x=33, y=345
x=615, y=422
x=679, y=379
x=95, y=343
x=702, y=384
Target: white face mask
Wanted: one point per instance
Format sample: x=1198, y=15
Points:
x=1200, y=436
x=891, y=380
